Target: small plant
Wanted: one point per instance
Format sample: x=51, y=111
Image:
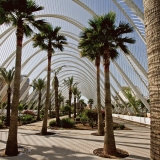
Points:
x=84, y=119
x=52, y=123
x=115, y=126
x=67, y=123
x=27, y=117
x=121, y=126
x=1, y=124
x=91, y=123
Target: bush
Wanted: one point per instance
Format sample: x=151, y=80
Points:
x=84, y=119
x=67, y=123
x=27, y=117
x=29, y=112
x=52, y=123
x=118, y=126
x=121, y=126
x=1, y=124
x=91, y=123
x=115, y=126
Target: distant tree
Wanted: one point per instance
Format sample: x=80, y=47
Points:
x=90, y=103
x=8, y=77
x=39, y=85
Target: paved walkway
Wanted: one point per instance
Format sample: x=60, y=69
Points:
x=78, y=144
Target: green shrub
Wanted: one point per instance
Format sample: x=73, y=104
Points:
x=67, y=123
x=121, y=126
x=115, y=126
x=84, y=119
x=91, y=123
x=27, y=117
x=52, y=123
x=1, y=124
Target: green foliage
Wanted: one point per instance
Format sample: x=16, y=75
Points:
x=91, y=123
x=67, y=123
x=118, y=126
x=1, y=124
x=66, y=109
x=121, y=126
x=84, y=119
x=27, y=117
x=52, y=123
x=20, y=107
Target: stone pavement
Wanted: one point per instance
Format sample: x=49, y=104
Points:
x=78, y=144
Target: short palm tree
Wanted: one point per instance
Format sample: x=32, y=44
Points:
x=18, y=13
x=55, y=84
x=49, y=39
x=69, y=83
x=8, y=77
x=78, y=98
x=75, y=91
x=39, y=85
x=108, y=38
x=91, y=51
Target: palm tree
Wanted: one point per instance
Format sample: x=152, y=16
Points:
x=55, y=83
x=78, y=98
x=151, y=19
x=91, y=51
x=19, y=14
x=75, y=91
x=49, y=39
x=132, y=100
x=90, y=102
x=69, y=84
x=107, y=37
x=8, y=77
x=39, y=85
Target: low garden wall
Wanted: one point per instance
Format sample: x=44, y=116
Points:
x=143, y=120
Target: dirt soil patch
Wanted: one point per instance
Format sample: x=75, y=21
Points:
x=119, y=154
x=80, y=126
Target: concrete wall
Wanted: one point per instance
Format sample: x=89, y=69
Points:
x=143, y=120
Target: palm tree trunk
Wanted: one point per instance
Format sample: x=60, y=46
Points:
x=12, y=146
x=100, y=122
x=8, y=106
x=152, y=21
x=74, y=106
x=109, y=141
x=56, y=100
x=44, y=126
x=39, y=105
x=70, y=97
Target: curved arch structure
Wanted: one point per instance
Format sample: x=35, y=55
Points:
x=81, y=68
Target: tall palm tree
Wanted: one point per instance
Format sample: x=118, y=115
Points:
x=49, y=40
x=91, y=51
x=151, y=20
x=69, y=84
x=8, y=77
x=18, y=13
x=39, y=85
x=75, y=91
x=108, y=38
